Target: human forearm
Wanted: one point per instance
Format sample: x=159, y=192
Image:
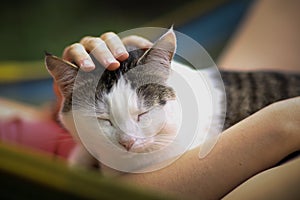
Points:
x=242, y=151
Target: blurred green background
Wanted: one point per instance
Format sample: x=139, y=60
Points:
x=32, y=26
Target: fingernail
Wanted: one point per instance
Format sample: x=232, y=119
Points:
x=120, y=51
x=87, y=64
x=121, y=54
x=112, y=64
x=110, y=61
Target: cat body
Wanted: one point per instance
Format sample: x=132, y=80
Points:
x=140, y=106
x=248, y=92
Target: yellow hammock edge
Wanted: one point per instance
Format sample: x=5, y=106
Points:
x=17, y=71
x=32, y=167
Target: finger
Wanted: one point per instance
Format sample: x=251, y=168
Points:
x=115, y=45
x=137, y=41
x=98, y=48
x=76, y=53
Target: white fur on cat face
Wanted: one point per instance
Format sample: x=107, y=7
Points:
x=129, y=125
x=133, y=127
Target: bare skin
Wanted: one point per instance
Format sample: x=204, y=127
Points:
x=268, y=39
x=242, y=151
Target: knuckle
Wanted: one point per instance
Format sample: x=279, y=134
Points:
x=68, y=49
x=95, y=41
x=127, y=38
x=131, y=39
x=108, y=35
x=74, y=48
x=85, y=39
x=91, y=42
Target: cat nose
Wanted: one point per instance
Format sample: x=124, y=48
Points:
x=127, y=144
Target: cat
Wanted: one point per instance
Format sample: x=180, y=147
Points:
x=124, y=102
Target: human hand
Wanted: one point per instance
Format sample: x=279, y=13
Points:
x=108, y=49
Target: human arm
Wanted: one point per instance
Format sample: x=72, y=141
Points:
x=251, y=146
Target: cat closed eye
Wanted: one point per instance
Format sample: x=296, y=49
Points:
x=105, y=120
x=140, y=115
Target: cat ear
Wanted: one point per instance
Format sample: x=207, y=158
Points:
x=162, y=51
x=63, y=73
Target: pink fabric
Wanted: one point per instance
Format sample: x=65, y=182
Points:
x=41, y=135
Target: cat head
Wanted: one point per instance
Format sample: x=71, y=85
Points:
x=135, y=107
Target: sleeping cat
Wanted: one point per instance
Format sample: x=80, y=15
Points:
x=137, y=107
